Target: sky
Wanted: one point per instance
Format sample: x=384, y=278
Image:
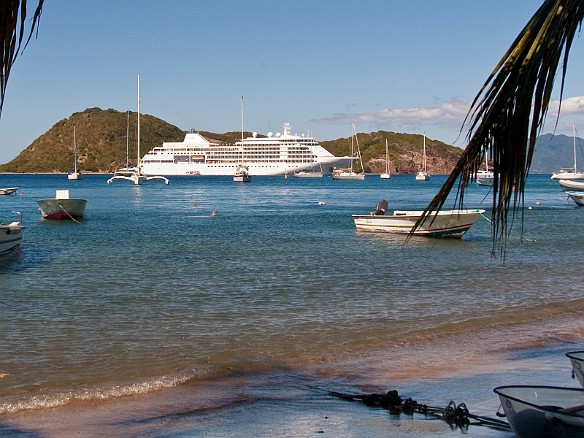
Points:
x=404, y=66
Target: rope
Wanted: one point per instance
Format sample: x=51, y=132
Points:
x=67, y=213
x=455, y=415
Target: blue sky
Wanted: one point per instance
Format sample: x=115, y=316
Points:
x=405, y=66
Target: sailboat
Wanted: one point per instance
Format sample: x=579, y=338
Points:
x=570, y=173
x=348, y=173
x=136, y=176
x=126, y=171
x=423, y=174
x=242, y=171
x=485, y=177
x=386, y=175
x=74, y=175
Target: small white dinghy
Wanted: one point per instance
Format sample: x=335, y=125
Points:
x=543, y=411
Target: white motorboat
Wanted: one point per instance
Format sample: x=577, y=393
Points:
x=444, y=223
x=577, y=197
x=577, y=360
x=543, y=411
x=62, y=207
x=10, y=236
x=8, y=191
x=242, y=174
x=571, y=184
x=423, y=175
x=308, y=174
x=570, y=173
x=75, y=174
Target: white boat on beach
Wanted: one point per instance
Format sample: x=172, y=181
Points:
x=543, y=411
x=571, y=184
x=62, y=207
x=570, y=173
x=444, y=223
x=10, y=236
x=577, y=360
x=8, y=191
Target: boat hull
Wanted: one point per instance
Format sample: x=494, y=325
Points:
x=10, y=236
x=567, y=175
x=348, y=176
x=577, y=197
x=447, y=223
x=572, y=185
x=577, y=360
x=62, y=209
x=543, y=411
x=8, y=190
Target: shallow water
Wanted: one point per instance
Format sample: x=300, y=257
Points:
x=150, y=295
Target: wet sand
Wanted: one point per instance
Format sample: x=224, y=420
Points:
x=240, y=405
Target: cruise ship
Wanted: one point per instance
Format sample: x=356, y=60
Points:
x=275, y=154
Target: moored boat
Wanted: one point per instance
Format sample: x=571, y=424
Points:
x=10, y=236
x=8, y=190
x=62, y=207
x=272, y=154
x=577, y=197
x=577, y=360
x=570, y=173
x=444, y=223
x=572, y=185
x=543, y=411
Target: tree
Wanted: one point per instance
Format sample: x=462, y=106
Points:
x=12, y=26
x=509, y=111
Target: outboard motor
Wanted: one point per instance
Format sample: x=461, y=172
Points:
x=380, y=208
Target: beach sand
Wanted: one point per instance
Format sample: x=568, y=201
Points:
x=237, y=406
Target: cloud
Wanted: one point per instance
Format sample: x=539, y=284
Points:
x=446, y=118
x=446, y=115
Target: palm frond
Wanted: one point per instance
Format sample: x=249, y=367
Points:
x=12, y=31
x=508, y=112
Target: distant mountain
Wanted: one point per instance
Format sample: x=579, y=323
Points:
x=553, y=152
x=101, y=144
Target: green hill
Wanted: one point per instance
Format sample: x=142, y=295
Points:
x=101, y=142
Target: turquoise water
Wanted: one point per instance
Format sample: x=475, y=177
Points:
x=150, y=294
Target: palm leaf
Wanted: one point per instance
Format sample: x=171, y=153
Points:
x=12, y=25
x=508, y=112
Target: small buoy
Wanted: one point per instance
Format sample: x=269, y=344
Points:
x=530, y=208
x=537, y=203
x=321, y=203
x=214, y=213
x=194, y=204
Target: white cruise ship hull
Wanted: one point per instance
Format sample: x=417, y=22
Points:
x=274, y=154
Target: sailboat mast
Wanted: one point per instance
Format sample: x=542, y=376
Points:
x=138, y=135
x=424, y=152
x=242, y=129
x=128, y=140
x=574, y=130
x=75, y=146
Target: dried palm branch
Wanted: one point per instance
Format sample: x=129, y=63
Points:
x=12, y=25
x=508, y=112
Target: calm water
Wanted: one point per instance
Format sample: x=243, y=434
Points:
x=151, y=295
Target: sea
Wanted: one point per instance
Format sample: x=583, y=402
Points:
x=154, y=316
